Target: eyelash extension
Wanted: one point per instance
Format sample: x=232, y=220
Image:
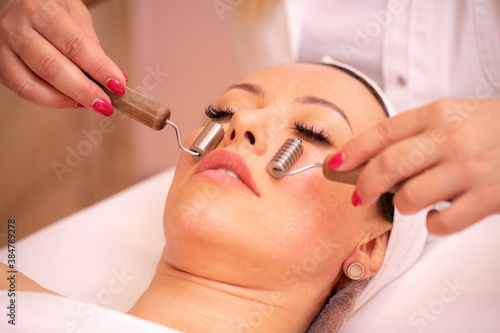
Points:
x=219, y=112
x=312, y=133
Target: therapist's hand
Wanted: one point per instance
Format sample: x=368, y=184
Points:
x=448, y=149
x=45, y=45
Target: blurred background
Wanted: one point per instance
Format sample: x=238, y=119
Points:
x=56, y=162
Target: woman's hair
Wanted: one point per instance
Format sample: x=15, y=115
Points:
x=384, y=205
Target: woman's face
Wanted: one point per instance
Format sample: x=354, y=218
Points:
x=254, y=230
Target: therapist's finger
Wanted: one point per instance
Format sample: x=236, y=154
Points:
x=393, y=165
x=50, y=65
x=82, y=16
x=440, y=183
x=74, y=43
x=20, y=79
x=465, y=210
x=372, y=141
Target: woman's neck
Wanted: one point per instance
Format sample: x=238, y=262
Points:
x=193, y=304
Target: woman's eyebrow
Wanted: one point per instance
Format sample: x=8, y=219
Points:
x=323, y=102
x=254, y=89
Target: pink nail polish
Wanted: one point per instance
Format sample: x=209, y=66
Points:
x=79, y=106
x=116, y=86
x=335, y=161
x=126, y=77
x=102, y=107
x=356, y=200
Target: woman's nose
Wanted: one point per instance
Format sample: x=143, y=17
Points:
x=248, y=128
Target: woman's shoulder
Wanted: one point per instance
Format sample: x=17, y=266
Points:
x=13, y=279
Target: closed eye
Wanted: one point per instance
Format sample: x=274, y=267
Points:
x=218, y=112
x=312, y=133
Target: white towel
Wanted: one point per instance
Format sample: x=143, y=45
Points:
x=409, y=233
x=39, y=312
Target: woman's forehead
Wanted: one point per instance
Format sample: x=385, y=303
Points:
x=311, y=79
x=295, y=81
x=305, y=76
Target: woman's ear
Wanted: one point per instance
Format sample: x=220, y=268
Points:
x=367, y=257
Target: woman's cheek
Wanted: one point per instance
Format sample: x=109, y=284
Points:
x=322, y=203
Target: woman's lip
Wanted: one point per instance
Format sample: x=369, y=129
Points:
x=225, y=159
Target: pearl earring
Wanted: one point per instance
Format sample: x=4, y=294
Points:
x=355, y=271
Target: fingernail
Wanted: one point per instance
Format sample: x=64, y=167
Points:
x=116, y=86
x=103, y=107
x=356, y=200
x=335, y=161
x=79, y=106
x=126, y=77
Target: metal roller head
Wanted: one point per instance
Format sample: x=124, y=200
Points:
x=285, y=158
x=208, y=140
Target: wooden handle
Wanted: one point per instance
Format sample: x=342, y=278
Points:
x=141, y=108
x=348, y=177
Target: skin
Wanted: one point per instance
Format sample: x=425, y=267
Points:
x=233, y=255
x=45, y=45
x=284, y=249
x=456, y=142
